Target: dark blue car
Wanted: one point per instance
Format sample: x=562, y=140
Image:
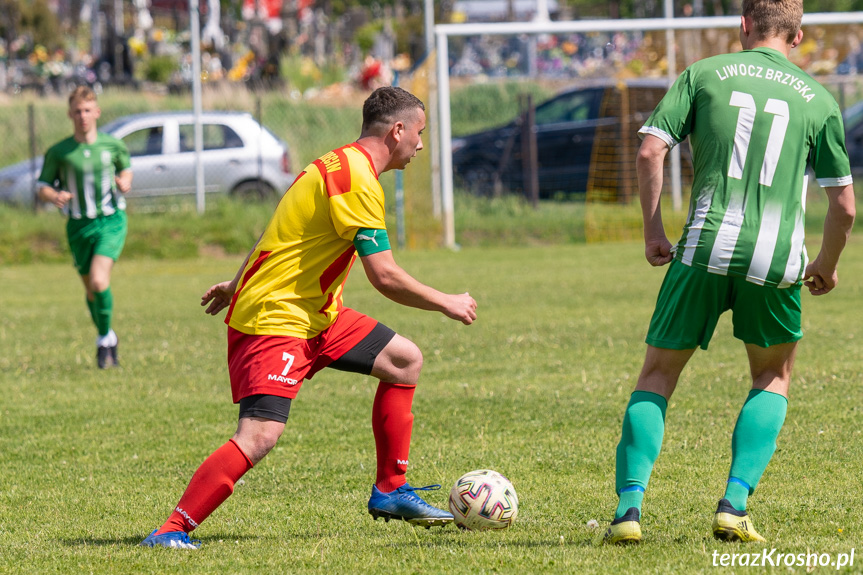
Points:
x=586, y=140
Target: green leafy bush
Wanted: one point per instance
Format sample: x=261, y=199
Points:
x=160, y=68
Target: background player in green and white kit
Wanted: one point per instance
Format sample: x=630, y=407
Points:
x=754, y=120
x=82, y=176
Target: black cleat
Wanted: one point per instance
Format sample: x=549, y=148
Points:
x=103, y=357
x=113, y=354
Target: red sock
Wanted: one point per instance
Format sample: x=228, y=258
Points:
x=211, y=484
x=392, y=422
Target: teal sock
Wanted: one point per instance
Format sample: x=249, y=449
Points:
x=640, y=442
x=737, y=493
x=629, y=498
x=753, y=443
x=103, y=304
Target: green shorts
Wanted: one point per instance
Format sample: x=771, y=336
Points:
x=103, y=236
x=691, y=300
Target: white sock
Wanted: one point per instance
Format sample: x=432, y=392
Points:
x=109, y=340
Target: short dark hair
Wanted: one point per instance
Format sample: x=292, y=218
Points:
x=770, y=18
x=387, y=105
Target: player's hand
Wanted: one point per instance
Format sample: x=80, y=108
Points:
x=819, y=281
x=124, y=183
x=658, y=251
x=218, y=296
x=124, y=180
x=461, y=307
x=61, y=199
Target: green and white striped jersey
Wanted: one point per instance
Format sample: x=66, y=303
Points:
x=87, y=171
x=754, y=121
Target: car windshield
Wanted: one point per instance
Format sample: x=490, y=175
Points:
x=146, y=142
x=574, y=107
x=853, y=115
x=111, y=127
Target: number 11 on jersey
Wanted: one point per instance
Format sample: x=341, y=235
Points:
x=743, y=133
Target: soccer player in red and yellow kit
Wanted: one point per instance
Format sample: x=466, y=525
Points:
x=286, y=320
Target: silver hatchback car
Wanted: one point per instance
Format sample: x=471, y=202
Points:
x=239, y=156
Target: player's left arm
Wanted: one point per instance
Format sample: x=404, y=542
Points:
x=123, y=167
x=821, y=275
x=124, y=180
x=395, y=283
x=832, y=170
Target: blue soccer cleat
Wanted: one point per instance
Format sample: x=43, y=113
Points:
x=172, y=539
x=406, y=505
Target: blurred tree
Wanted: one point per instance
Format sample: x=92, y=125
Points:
x=35, y=19
x=654, y=8
x=340, y=7
x=366, y=34
x=10, y=19
x=410, y=36
x=832, y=5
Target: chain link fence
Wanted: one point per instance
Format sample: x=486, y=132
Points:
x=158, y=131
x=239, y=158
x=588, y=92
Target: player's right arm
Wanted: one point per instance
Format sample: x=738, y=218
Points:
x=46, y=191
x=53, y=196
x=649, y=166
x=219, y=295
x=395, y=283
x=821, y=276
x=122, y=167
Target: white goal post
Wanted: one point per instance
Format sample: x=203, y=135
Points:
x=444, y=31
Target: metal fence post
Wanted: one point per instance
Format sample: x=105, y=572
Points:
x=260, y=119
x=529, y=155
x=31, y=129
x=400, y=194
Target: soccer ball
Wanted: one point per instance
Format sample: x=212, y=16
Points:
x=483, y=499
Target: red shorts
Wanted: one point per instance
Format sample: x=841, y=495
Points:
x=277, y=365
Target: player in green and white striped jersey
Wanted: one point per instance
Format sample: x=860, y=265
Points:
x=85, y=175
x=755, y=121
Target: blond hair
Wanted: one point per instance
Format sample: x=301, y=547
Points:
x=774, y=18
x=82, y=93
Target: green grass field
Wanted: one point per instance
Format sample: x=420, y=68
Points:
x=92, y=461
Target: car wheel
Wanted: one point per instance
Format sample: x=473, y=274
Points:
x=254, y=190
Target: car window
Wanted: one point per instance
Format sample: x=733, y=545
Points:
x=575, y=107
x=216, y=137
x=146, y=142
x=852, y=117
